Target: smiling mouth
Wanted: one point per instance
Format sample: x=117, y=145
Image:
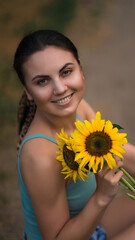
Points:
x=63, y=100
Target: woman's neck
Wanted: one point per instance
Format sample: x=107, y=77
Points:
x=50, y=124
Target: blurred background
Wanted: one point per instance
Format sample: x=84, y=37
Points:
x=104, y=33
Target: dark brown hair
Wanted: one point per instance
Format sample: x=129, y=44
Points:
x=30, y=44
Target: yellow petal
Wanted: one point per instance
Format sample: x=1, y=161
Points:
x=101, y=163
x=84, y=161
x=89, y=126
x=97, y=162
x=120, y=135
x=116, y=153
x=108, y=126
x=98, y=116
x=94, y=125
x=91, y=162
x=118, y=148
x=82, y=128
x=110, y=161
x=74, y=176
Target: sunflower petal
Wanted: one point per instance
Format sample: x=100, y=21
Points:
x=101, y=163
x=92, y=163
x=74, y=176
x=81, y=127
x=84, y=161
x=98, y=116
x=110, y=161
x=89, y=126
x=116, y=153
x=118, y=148
x=97, y=162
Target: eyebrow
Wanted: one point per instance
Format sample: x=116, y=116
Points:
x=39, y=76
x=46, y=76
x=67, y=64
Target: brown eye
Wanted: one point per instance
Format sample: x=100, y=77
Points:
x=67, y=72
x=42, y=81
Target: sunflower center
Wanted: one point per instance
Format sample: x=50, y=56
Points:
x=98, y=143
x=69, y=157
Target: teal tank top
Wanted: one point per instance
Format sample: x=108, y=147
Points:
x=77, y=195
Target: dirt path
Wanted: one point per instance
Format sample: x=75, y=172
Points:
x=108, y=59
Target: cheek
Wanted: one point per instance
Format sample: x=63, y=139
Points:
x=77, y=82
x=42, y=96
x=80, y=83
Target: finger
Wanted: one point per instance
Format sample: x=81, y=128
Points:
x=112, y=172
x=114, y=175
x=117, y=176
x=106, y=171
x=119, y=163
x=117, y=158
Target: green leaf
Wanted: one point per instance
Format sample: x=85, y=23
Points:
x=117, y=126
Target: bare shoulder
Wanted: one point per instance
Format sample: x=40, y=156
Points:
x=38, y=165
x=38, y=155
x=85, y=110
x=42, y=176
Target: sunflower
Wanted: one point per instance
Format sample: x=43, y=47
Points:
x=97, y=142
x=67, y=157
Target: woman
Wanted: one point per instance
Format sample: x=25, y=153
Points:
x=48, y=66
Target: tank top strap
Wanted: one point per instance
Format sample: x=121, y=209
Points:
x=39, y=135
x=79, y=117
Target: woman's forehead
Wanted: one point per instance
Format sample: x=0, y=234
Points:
x=49, y=59
x=50, y=53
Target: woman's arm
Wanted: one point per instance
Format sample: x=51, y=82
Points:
x=46, y=186
x=82, y=226
x=129, y=158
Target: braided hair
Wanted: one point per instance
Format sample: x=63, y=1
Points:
x=26, y=112
x=30, y=44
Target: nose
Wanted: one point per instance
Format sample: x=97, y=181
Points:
x=59, y=87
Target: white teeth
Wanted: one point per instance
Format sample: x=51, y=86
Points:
x=64, y=100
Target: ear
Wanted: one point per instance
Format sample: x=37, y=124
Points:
x=79, y=62
x=28, y=94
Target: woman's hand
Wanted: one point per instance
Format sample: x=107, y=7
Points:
x=107, y=183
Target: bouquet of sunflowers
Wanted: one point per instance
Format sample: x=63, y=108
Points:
x=89, y=147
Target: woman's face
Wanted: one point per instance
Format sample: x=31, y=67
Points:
x=54, y=81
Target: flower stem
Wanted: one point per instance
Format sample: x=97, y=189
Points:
x=131, y=196
x=128, y=175
x=123, y=185
x=127, y=184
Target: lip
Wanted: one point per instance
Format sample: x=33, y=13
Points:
x=64, y=103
